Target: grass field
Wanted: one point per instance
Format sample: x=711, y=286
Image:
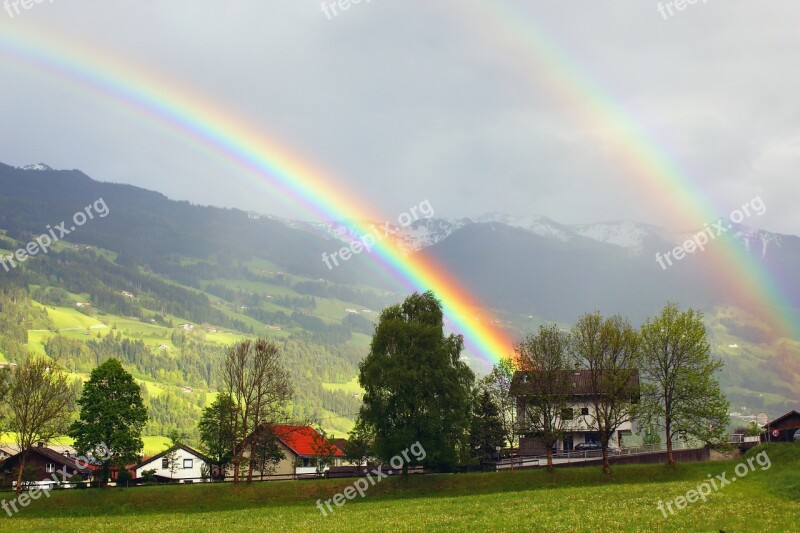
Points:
x=152, y=444
x=578, y=499
x=351, y=387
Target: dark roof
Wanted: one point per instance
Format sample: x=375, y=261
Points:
x=581, y=383
x=54, y=456
x=339, y=443
x=162, y=454
x=780, y=419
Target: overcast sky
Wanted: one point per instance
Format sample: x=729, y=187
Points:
x=412, y=100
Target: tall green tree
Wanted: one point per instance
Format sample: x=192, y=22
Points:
x=112, y=415
x=608, y=351
x=682, y=393
x=486, y=433
x=546, y=386
x=416, y=386
x=217, y=433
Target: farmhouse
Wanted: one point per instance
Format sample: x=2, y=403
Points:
x=43, y=467
x=785, y=428
x=578, y=417
x=302, y=448
x=178, y=463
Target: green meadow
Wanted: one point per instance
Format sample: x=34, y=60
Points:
x=572, y=499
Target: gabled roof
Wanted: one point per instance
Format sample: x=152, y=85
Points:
x=339, y=443
x=54, y=456
x=300, y=439
x=780, y=419
x=10, y=449
x=162, y=454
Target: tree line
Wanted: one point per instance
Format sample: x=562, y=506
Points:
x=417, y=388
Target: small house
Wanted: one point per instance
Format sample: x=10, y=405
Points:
x=44, y=467
x=179, y=463
x=785, y=428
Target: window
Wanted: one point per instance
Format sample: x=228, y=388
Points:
x=165, y=463
x=584, y=411
x=50, y=468
x=187, y=463
x=567, y=414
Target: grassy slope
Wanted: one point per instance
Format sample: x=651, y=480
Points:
x=71, y=323
x=570, y=499
x=152, y=444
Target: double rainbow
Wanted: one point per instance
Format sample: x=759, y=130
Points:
x=176, y=110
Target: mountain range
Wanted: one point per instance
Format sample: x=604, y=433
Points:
x=526, y=270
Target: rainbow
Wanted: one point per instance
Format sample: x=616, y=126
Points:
x=195, y=119
x=202, y=122
x=649, y=165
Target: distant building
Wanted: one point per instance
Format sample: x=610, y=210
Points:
x=785, y=428
x=44, y=467
x=578, y=416
x=300, y=446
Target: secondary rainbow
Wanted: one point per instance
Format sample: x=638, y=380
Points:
x=201, y=121
x=546, y=64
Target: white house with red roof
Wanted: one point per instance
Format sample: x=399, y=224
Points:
x=302, y=448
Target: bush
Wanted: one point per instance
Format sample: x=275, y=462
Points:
x=149, y=476
x=124, y=478
x=77, y=481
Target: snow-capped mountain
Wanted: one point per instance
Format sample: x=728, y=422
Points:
x=40, y=167
x=419, y=234
x=758, y=241
x=540, y=225
x=635, y=238
x=755, y=241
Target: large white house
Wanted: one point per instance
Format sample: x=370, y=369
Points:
x=578, y=417
x=184, y=465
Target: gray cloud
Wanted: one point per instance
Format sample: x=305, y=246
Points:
x=414, y=100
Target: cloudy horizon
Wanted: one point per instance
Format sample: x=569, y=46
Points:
x=399, y=103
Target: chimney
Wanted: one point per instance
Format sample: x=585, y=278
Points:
x=40, y=444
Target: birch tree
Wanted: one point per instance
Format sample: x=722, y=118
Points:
x=609, y=351
x=547, y=385
x=682, y=393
